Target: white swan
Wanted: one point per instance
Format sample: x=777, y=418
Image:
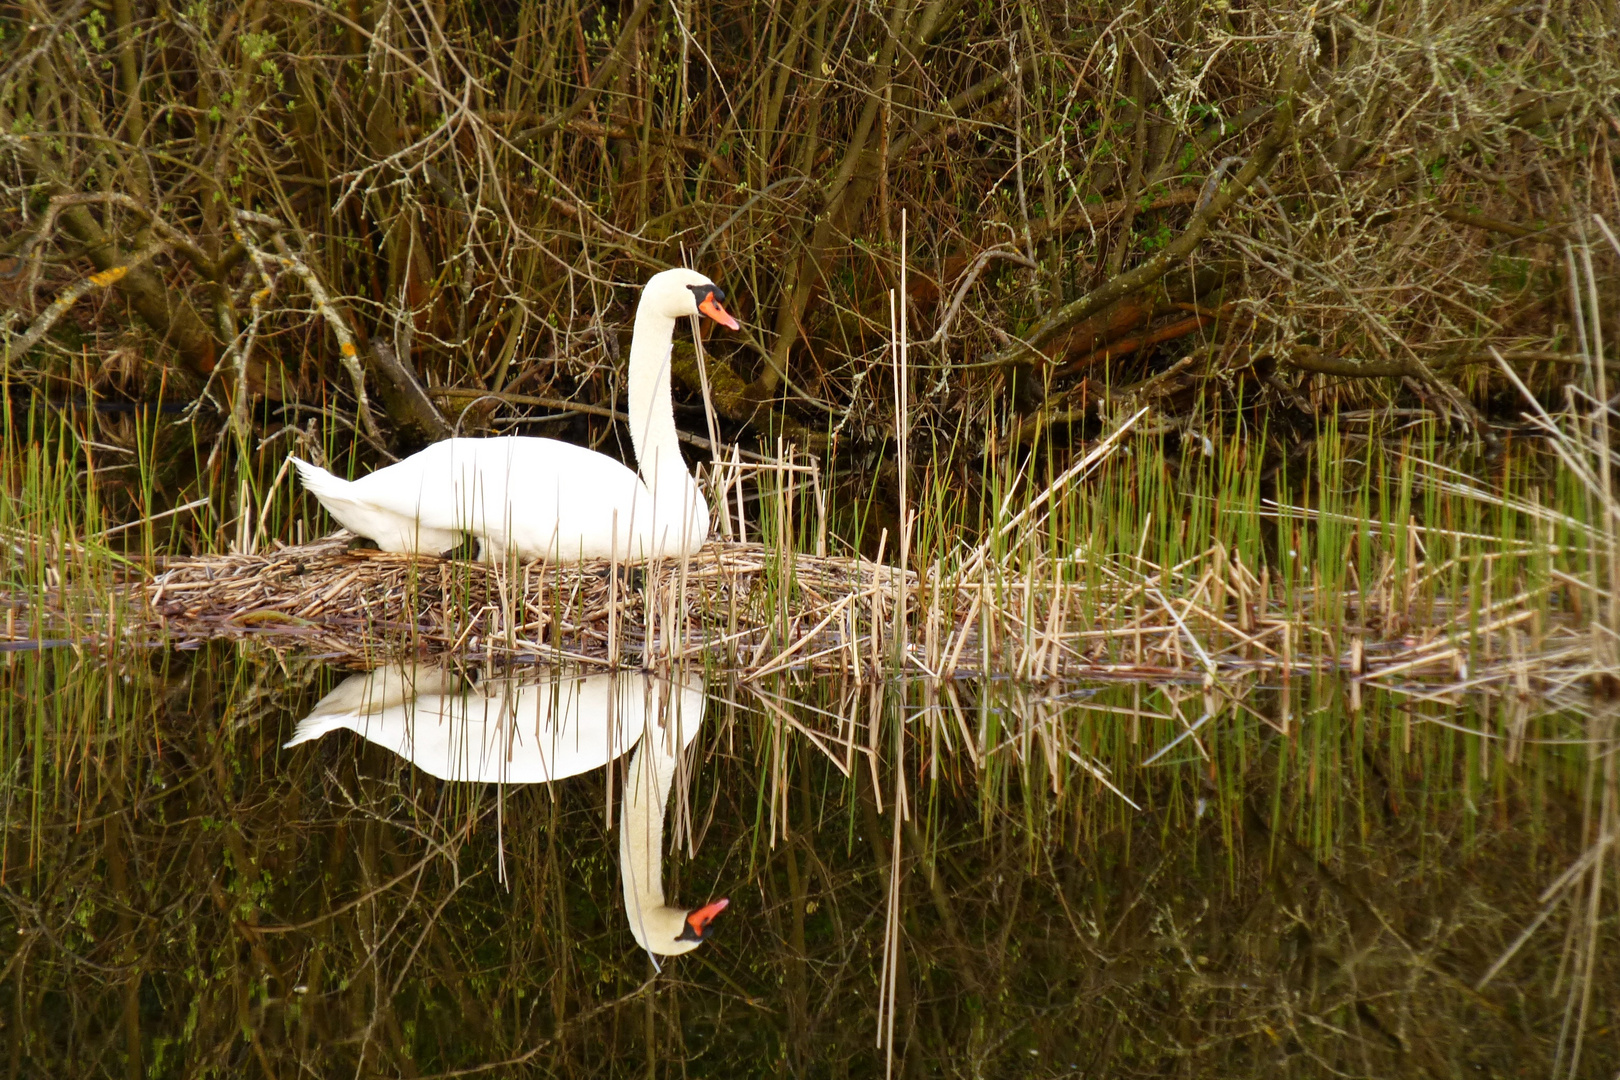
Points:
x=541, y=498
x=513, y=730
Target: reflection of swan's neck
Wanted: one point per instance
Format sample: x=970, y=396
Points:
x=641, y=846
x=658, y=927
x=671, y=724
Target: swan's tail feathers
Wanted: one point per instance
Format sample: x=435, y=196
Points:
x=311, y=728
x=334, y=494
x=324, y=485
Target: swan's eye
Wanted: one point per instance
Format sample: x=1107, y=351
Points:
x=704, y=293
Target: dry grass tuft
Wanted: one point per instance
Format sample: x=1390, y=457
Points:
x=350, y=603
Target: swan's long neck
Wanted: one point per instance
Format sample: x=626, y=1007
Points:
x=679, y=508
x=652, y=414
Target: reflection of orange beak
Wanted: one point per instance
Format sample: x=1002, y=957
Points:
x=700, y=919
x=712, y=308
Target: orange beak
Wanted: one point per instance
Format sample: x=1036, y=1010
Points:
x=698, y=921
x=714, y=310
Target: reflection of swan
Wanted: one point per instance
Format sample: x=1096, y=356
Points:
x=534, y=730
x=541, y=498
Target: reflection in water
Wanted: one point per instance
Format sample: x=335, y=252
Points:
x=537, y=728
x=1314, y=885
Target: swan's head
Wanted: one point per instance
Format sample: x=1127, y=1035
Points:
x=669, y=931
x=678, y=293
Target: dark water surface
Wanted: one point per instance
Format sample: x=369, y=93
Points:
x=1311, y=883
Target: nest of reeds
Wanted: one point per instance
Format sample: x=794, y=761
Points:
x=742, y=605
x=755, y=610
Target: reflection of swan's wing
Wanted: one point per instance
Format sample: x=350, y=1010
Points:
x=676, y=708
x=438, y=733
x=371, y=693
x=507, y=730
x=554, y=728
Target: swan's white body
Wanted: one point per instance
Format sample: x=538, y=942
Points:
x=536, y=730
x=541, y=498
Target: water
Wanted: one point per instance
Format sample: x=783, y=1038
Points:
x=1311, y=883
